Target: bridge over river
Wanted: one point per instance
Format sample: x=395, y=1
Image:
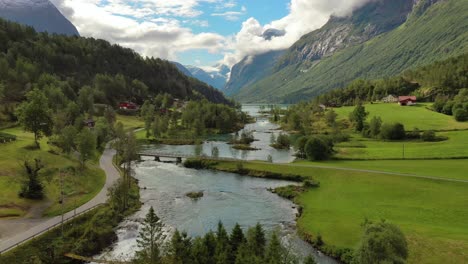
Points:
x=178, y=156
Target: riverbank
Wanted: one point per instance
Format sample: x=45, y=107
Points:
x=430, y=212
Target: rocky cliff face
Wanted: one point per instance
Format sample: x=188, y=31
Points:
x=341, y=32
x=250, y=70
x=42, y=15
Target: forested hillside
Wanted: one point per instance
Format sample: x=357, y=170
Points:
x=433, y=31
x=28, y=58
x=440, y=79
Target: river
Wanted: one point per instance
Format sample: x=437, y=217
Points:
x=228, y=197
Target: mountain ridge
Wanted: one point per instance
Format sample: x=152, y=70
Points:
x=434, y=30
x=42, y=15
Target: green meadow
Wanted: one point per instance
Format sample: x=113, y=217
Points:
x=79, y=186
x=363, y=148
x=431, y=213
x=410, y=116
x=449, y=168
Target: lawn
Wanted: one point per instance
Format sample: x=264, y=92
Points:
x=79, y=186
x=362, y=148
x=410, y=116
x=431, y=213
x=130, y=122
x=451, y=169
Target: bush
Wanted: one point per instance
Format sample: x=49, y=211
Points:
x=429, y=136
x=461, y=115
x=393, y=131
x=317, y=148
x=5, y=137
x=447, y=109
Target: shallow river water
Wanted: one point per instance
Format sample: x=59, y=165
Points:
x=228, y=197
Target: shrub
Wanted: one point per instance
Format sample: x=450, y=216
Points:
x=447, y=109
x=318, y=149
x=461, y=115
x=429, y=136
x=393, y=131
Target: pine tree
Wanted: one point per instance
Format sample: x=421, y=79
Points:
x=275, y=252
x=149, y=237
x=256, y=240
x=223, y=249
x=181, y=248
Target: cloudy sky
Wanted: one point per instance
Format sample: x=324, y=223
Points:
x=200, y=32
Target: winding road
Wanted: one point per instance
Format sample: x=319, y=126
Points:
x=112, y=175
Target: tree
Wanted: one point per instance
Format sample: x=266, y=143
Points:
x=275, y=252
x=148, y=239
x=35, y=115
x=147, y=113
x=223, y=248
x=236, y=239
x=180, y=248
x=394, y=131
x=358, y=116
x=330, y=117
x=429, y=135
x=374, y=126
x=86, y=100
x=86, y=145
x=461, y=115
x=310, y=260
x=256, y=240
x=32, y=188
x=300, y=146
x=67, y=139
x=317, y=148
x=215, y=152
x=382, y=243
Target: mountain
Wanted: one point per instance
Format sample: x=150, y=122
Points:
x=253, y=68
x=250, y=70
x=215, y=76
x=42, y=15
x=182, y=69
x=383, y=38
x=70, y=63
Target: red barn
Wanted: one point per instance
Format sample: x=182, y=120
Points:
x=406, y=100
x=128, y=106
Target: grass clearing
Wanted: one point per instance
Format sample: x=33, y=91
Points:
x=431, y=213
x=363, y=148
x=410, y=116
x=78, y=188
x=451, y=169
x=130, y=122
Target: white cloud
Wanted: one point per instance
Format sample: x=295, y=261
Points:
x=304, y=17
x=161, y=28
x=136, y=27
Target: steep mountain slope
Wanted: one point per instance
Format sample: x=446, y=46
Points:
x=216, y=77
x=341, y=32
x=434, y=30
x=250, y=70
x=182, y=69
x=253, y=68
x=42, y=15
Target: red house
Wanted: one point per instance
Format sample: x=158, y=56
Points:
x=128, y=106
x=406, y=100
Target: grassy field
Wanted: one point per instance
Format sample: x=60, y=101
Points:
x=79, y=186
x=130, y=122
x=413, y=116
x=451, y=169
x=431, y=213
x=363, y=148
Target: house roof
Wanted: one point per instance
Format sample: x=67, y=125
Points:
x=406, y=98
